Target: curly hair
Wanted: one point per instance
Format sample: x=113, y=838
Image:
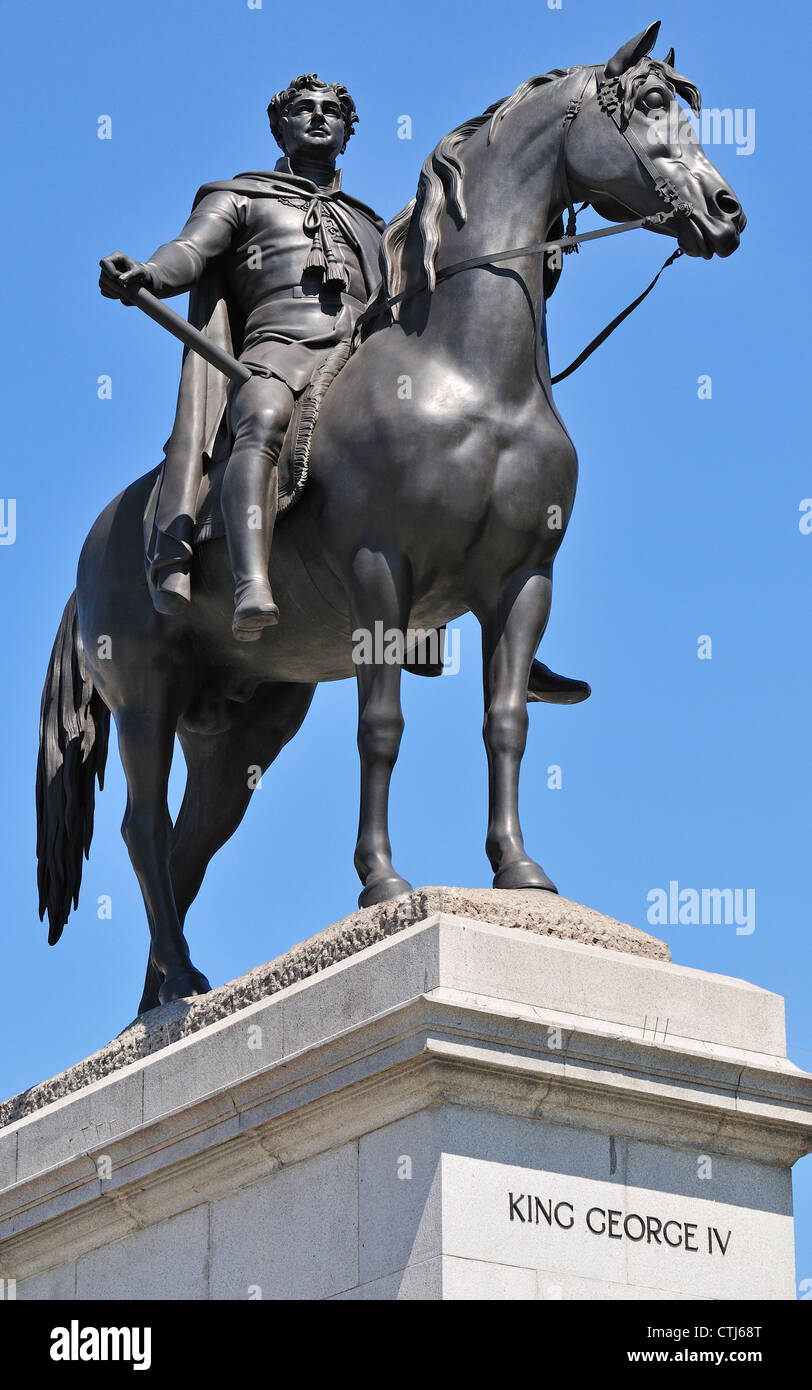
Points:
x=310, y=81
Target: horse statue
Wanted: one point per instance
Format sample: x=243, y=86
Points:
x=416, y=511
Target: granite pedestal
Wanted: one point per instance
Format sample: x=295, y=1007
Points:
x=422, y=1103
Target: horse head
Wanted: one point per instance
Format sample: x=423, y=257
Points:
x=631, y=149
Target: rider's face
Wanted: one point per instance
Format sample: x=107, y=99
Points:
x=312, y=125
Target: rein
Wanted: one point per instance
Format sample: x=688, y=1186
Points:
x=609, y=100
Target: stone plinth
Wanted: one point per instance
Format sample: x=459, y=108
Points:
x=460, y=1109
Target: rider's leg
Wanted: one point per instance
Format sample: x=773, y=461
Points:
x=260, y=412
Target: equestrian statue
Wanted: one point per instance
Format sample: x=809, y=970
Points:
x=304, y=499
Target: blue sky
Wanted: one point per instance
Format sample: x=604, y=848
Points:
x=686, y=522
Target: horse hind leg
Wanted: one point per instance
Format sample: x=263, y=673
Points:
x=380, y=592
x=145, y=739
x=219, y=785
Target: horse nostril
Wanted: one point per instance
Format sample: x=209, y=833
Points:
x=726, y=203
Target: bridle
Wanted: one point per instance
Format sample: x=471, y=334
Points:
x=609, y=98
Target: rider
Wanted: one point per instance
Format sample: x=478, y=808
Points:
x=282, y=264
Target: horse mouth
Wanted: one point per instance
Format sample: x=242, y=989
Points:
x=692, y=239
x=705, y=239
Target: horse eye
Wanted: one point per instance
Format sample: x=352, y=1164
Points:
x=654, y=100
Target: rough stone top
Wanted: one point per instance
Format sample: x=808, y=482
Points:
x=546, y=914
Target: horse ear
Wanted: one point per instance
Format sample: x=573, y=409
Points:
x=669, y=59
x=633, y=51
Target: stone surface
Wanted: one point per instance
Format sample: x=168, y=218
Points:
x=545, y=914
x=400, y=1198
x=359, y=1136
x=166, y=1261
x=293, y=1235
x=58, y=1283
x=669, y=1244
x=417, y=1283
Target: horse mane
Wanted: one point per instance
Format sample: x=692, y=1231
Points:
x=440, y=189
x=441, y=186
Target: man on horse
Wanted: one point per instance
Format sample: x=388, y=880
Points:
x=280, y=265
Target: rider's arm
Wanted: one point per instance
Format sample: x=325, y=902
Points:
x=179, y=264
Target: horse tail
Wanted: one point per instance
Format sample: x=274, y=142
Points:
x=73, y=732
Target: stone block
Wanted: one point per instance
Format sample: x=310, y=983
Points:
x=434, y=1106
x=166, y=1261
x=79, y=1125
x=422, y=1283
x=58, y=1283
x=293, y=1235
x=399, y=1195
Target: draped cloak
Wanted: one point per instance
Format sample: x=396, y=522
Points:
x=200, y=434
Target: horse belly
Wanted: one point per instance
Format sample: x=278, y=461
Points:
x=312, y=641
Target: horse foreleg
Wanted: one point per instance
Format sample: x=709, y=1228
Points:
x=145, y=740
x=220, y=781
x=380, y=592
x=511, y=630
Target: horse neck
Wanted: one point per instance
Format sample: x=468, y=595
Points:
x=514, y=191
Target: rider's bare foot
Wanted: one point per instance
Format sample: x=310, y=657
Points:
x=254, y=611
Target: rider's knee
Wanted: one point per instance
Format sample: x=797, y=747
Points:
x=260, y=413
x=263, y=427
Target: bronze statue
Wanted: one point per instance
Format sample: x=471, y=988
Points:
x=419, y=505
x=281, y=265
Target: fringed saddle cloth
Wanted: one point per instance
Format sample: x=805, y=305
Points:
x=294, y=456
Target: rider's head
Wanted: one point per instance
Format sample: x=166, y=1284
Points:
x=311, y=117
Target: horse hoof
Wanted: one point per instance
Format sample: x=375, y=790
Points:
x=526, y=873
x=382, y=889
x=183, y=984
x=148, y=1003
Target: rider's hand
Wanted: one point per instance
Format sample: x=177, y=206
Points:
x=120, y=272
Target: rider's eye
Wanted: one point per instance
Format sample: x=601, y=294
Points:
x=654, y=100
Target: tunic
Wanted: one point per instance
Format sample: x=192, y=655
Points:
x=244, y=254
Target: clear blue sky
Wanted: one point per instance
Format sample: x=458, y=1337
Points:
x=676, y=768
